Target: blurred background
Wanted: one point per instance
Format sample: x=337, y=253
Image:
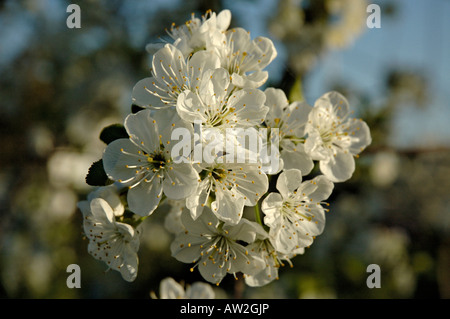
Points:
x=59, y=87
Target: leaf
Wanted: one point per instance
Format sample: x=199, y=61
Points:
x=113, y=132
x=96, y=175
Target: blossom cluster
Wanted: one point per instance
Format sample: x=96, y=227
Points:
x=205, y=96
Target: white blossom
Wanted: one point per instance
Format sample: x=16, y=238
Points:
x=170, y=289
x=111, y=195
x=144, y=161
x=200, y=34
x=227, y=188
x=334, y=138
x=217, y=248
x=204, y=90
x=110, y=241
x=215, y=105
x=295, y=215
x=245, y=59
x=273, y=260
x=290, y=119
x=171, y=75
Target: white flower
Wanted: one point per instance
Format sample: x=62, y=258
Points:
x=245, y=58
x=228, y=187
x=113, y=242
x=144, y=161
x=170, y=289
x=171, y=75
x=216, y=247
x=215, y=105
x=334, y=138
x=290, y=120
x=295, y=215
x=172, y=220
x=273, y=260
x=196, y=34
x=111, y=195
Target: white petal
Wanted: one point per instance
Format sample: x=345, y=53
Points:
x=210, y=271
x=295, y=118
x=199, y=63
x=206, y=224
x=288, y=182
x=198, y=199
x=144, y=198
x=228, y=206
x=359, y=134
x=143, y=130
x=264, y=50
x=277, y=101
x=129, y=268
x=167, y=121
x=246, y=231
x=120, y=160
x=180, y=181
x=253, y=80
x=334, y=102
x=100, y=210
x=170, y=289
x=271, y=206
x=339, y=168
x=147, y=93
x=200, y=290
x=110, y=194
x=190, y=108
x=168, y=65
x=250, y=183
x=314, y=146
x=186, y=248
x=297, y=159
x=249, y=106
x=246, y=261
x=223, y=19
x=323, y=190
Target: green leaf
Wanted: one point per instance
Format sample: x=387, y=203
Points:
x=96, y=175
x=113, y=132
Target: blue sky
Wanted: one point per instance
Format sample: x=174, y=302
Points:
x=418, y=38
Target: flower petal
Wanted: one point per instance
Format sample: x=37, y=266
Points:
x=271, y=206
x=338, y=168
x=180, y=181
x=148, y=93
x=144, y=198
x=120, y=159
x=288, y=182
x=359, y=134
x=143, y=130
x=333, y=102
x=228, y=206
x=323, y=190
x=297, y=159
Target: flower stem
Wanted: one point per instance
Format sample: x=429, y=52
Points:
x=258, y=214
